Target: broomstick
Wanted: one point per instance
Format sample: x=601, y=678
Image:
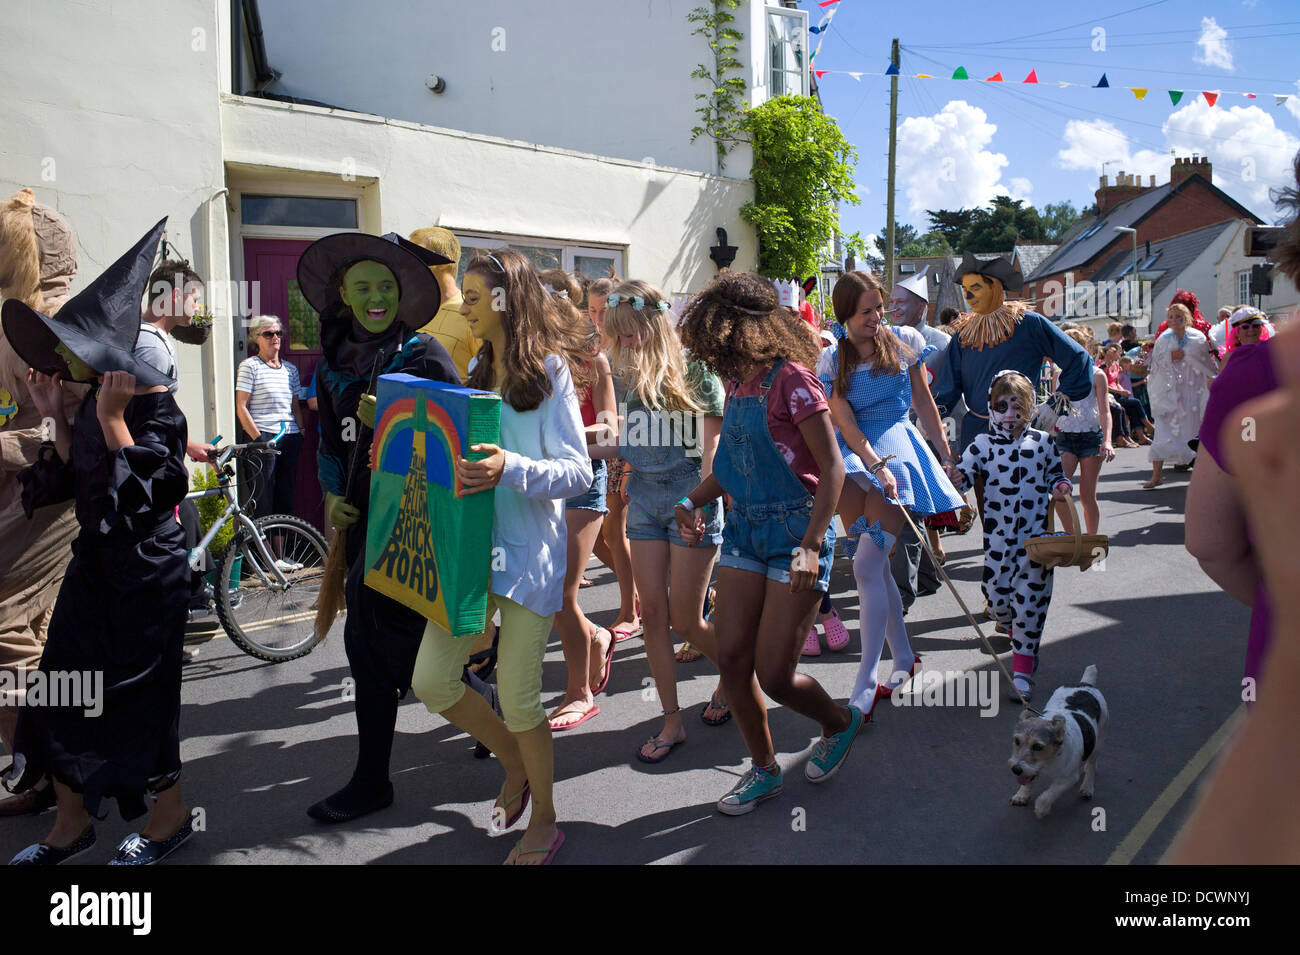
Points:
x=332, y=600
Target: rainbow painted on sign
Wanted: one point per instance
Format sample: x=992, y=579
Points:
x=426, y=546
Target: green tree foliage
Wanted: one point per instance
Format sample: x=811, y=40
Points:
x=909, y=244
x=721, y=109
x=802, y=171
x=999, y=227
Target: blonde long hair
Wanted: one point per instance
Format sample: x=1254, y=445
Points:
x=656, y=370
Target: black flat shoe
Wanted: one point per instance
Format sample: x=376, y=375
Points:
x=135, y=849
x=41, y=854
x=328, y=811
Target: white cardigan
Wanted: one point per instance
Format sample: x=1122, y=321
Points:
x=546, y=463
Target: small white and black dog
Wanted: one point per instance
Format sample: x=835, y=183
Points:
x=1061, y=744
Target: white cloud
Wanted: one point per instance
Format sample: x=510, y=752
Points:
x=944, y=162
x=1021, y=188
x=1213, y=47
x=1249, y=153
x=1293, y=101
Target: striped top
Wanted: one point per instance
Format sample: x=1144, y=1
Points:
x=271, y=393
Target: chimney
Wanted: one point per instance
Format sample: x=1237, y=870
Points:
x=1127, y=185
x=1190, y=166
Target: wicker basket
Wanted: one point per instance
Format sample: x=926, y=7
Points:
x=192, y=334
x=1068, y=550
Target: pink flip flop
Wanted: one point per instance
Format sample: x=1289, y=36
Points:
x=550, y=853
x=595, y=710
x=609, y=666
x=523, y=804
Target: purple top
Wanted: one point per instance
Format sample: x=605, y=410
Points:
x=1248, y=374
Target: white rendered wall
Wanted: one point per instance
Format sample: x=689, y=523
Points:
x=110, y=115
x=1282, y=304
x=423, y=176
x=610, y=77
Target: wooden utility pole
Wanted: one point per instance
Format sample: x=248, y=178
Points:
x=893, y=154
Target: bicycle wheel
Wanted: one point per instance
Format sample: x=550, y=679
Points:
x=264, y=618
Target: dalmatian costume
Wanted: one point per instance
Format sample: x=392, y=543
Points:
x=1021, y=468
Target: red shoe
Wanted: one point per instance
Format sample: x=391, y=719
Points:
x=888, y=691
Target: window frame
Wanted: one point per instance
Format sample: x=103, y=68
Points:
x=800, y=20
x=568, y=249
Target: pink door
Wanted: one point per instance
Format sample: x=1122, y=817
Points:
x=273, y=264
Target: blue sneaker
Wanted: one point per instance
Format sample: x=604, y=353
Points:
x=755, y=786
x=829, y=752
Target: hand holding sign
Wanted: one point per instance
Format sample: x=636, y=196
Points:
x=484, y=474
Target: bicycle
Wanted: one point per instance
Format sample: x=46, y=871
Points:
x=268, y=580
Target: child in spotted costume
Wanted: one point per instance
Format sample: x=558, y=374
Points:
x=1021, y=470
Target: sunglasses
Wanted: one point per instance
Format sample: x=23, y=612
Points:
x=1253, y=325
x=1004, y=405
x=272, y=334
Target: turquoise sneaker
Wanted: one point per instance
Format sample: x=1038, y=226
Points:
x=828, y=754
x=755, y=786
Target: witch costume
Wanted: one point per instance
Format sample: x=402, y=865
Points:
x=121, y=609
x=381, y=636
x=1008, y=337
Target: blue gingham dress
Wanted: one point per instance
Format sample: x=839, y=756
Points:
x=880, y=404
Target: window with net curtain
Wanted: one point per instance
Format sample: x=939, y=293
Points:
x=581, y=261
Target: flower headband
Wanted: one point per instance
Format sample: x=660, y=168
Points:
x=636, y=301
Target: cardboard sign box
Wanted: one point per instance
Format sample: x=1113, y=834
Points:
x=426, y=547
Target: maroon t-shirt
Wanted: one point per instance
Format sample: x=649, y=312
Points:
x=795, y=396
x=1248, y=374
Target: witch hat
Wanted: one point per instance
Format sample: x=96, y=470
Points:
x=99, y=324
x=323, y=263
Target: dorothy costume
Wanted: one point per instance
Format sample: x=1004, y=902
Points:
x=880, y=404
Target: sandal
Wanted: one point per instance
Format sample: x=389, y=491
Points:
x=608, y=668
x=550, y=851
x=837, y=635
x=659, y=743
x=627, y=631
x=567, y=709
x=687, y=654
x=716, y=704
x=499, y=807
x=811, y=645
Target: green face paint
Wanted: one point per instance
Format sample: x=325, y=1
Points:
x=79, y=369
x=370, y=290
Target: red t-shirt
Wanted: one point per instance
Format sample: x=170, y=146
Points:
x=796, y=395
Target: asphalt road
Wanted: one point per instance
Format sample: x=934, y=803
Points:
x=925, y=784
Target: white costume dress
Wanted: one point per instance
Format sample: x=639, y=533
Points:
x=1178, y=392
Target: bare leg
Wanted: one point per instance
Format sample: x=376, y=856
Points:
x=538, y=754
x=1068, y=463
x=70, y=820
x=169, y=813
x=614, y=542
x=1089, y=472
x=576, y=631
x=650, y=563
x=1157, y=468
x=740, y=607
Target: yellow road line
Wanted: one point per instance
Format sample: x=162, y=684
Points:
x=1127, y=850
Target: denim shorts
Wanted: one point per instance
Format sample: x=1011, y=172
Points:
x=651, y=504
x=592, y=499
x=1082, y=444
x=764, y=539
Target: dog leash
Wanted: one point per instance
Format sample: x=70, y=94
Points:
x=925, y=542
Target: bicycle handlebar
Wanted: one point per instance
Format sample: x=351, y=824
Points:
x=266, y=447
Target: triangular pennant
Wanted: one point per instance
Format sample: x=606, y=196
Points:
x=1031, y=78
x=814, y=30
x=1210, y=98
x=821, y=73
x=1249, y=95
x=995, y=78
x=930, y=76
x=1175, y=96
x=960, y=73
x=1103, y=82
x=1139, y=91
x=893, y=70
x=1279, y=99
x=1062, y=84
x=857, y=76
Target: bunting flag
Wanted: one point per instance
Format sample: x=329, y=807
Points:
x=1210, y=98
x=930, y=76
x=893, y=70
x=995, y=78
x=821, y=73
x=1031, y=78
x=1175, y=96
x=1249, y=95
x=960, y=73
x=1279, y=99
x=856, y=76
x=1139, y=91
x=1101, y=83
x=828, y=3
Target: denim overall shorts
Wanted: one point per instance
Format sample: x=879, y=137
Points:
x=662, y=473
x=770, y=507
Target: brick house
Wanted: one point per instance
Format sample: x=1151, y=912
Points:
x=1093, y=251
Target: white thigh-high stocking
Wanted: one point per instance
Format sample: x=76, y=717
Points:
x=870, y=568
x=896, y=632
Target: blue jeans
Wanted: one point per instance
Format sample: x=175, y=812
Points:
x=651, y=504
x=592, y=499
x=763, y=540
x=1082, y=444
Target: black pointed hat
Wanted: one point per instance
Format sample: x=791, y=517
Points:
x=321, y=268
x=999, y=268
x=99, y=324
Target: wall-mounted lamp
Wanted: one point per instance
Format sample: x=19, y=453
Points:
x=722, y=254
x=435, y=83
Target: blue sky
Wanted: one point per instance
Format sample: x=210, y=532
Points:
x=960, y=143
